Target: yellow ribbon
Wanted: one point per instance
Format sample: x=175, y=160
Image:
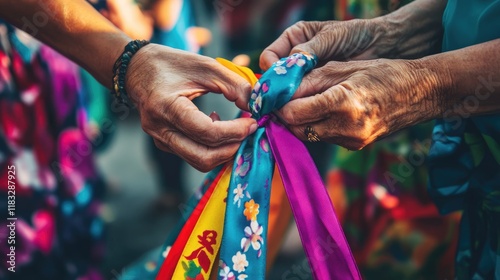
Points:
x=204, y=242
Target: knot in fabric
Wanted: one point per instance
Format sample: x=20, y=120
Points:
x=264, y=120
x=278, y=84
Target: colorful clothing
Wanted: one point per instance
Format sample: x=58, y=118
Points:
x=393, y=227
x=57, y=232
x=464, y=160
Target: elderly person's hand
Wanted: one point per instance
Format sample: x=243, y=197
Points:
x=361, y=101
x=328, y=40
x=354, y=103
x=411, y=32
x=162, y=82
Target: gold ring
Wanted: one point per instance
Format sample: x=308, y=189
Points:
x=312, y=136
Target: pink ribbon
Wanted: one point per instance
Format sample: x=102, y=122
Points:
x=324, y=242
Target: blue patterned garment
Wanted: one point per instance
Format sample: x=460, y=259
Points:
x=464, y=160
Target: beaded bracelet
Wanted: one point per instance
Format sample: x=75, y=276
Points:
x=120, y=69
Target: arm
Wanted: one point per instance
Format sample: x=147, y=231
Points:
x=161, y=81
x=362, y=101
x=412, y=31
x=469, y=80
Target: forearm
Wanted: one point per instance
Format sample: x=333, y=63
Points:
x=468, y=80
x=413, y=31
x=73, y=28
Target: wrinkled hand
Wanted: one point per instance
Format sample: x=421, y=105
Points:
x=361, y=101
x=329, y=40
x=162, y=81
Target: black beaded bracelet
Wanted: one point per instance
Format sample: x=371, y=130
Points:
x=120, y=68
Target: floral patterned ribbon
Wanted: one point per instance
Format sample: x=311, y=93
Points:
x=243, y=248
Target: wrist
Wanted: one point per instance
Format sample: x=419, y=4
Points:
x=386, y=37
x=435, y=84
x=414, y=30
x=138, y=71
x=104, y=62
x=120, y=68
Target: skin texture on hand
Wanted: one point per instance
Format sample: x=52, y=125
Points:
x=412, y=31
x=329, y=40
x=357, y=102
x=362, y=101
x=163, y=81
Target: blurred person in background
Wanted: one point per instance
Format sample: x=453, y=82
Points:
x=57, y=188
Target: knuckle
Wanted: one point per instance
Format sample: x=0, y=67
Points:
x=207, y=162
x=213, y=137
x=167, y=137
x=300, y=24
x=246, y=88
x=288, y=116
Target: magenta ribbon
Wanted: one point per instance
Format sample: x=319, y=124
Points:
x=324, y=242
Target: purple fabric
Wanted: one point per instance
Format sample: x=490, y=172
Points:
x=324, y=242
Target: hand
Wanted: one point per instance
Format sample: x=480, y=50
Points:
x=362, y=101
x=329, y=40
x=162, y=81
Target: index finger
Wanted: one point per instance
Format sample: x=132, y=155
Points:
x=202, y=129
x=316, y=108
x=296, y=34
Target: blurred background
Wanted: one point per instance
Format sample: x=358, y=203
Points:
x=393, y=228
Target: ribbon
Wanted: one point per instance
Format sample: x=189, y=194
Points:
x=182, y=236
x=244, y=222
x=324, y=242
x=243, y=250
x=202, y=247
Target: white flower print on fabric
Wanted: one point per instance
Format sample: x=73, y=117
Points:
x=239, y=193
x=258, y=102
x=279, y=63
x=252, y=237
x=280, y=70
x=240, y=262
x=296, y=58
x=226, y=273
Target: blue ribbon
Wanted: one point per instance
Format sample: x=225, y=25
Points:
x=243, y=249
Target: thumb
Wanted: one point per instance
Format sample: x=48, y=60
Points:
x=234, y=87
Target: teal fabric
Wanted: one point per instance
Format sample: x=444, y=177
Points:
x=177, y=36
x=464, y=160
x=243, y=249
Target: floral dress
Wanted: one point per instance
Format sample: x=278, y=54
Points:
x=50, y=189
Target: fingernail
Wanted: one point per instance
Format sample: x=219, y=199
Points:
x=252, y=129
x=214, y=116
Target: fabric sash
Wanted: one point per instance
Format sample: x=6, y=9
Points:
x=324, y=242
x=243, y=248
